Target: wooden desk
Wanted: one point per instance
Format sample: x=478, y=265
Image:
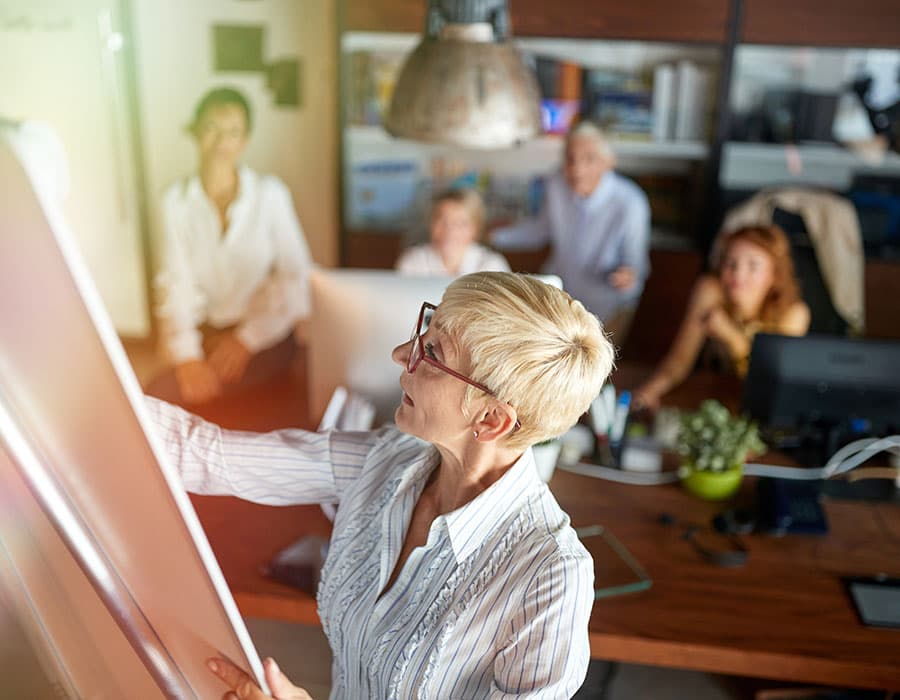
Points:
x=783, y=616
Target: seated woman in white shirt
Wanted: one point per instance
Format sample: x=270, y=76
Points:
x=234, y=279
x=457, y=219
x=452, y=570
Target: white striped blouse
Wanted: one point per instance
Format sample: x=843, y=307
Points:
x=494, y=605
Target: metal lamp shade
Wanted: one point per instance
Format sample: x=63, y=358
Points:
x=465, y=93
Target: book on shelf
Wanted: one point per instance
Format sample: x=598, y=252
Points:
x=370, y=85
x=560, y=85
x=693, y=86
x=663, y=102
x=620, y=102
x=625, y=113
x=681, y=104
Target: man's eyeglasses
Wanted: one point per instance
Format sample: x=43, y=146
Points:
x=418, y=354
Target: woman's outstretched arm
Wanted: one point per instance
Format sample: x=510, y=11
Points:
x=282, y=467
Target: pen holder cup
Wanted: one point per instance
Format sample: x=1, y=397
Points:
x=607, y=454
x=546, y=455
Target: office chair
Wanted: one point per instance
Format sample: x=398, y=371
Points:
x=877, y=201
x=823, y=316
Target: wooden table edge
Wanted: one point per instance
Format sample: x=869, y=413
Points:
x=298, y=608
x=741, y=662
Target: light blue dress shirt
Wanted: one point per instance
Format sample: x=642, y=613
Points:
x=590, y=237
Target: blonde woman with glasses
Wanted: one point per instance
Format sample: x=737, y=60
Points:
x=452, y=570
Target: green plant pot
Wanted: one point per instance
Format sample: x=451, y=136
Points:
x=713, y=486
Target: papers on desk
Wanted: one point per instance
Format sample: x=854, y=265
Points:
x=347, y=410
x=616, y=571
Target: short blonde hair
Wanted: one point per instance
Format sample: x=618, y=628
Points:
x=588, y=129
x=538, y=349
x=470, y=199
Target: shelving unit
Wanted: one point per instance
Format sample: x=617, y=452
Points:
x=672, y=170
x=362, y=136
x=654, y=31
x=751, y=166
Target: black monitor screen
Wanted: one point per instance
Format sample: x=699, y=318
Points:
x=828, y=380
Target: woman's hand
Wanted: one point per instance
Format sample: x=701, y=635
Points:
x=718, y=325
x=243, y=687
x=646, y=397
x=197, y=381
x=622, y=278
x=229, y=358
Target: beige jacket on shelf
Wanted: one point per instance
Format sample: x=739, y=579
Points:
x=833, y=229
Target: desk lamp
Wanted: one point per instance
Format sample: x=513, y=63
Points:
x=465, y=83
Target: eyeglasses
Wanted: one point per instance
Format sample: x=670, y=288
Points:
x=418, y=355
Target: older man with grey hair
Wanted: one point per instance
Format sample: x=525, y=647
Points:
x=598, y=223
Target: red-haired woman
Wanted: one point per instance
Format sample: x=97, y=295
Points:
x=753, y=290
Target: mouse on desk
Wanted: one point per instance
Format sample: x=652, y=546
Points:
x=737, y=521
x=735, y=556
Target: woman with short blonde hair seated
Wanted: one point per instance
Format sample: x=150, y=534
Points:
x=754, y=290
x=452, y=571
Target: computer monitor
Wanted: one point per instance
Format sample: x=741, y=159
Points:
x=830, y=385
x=359, y=316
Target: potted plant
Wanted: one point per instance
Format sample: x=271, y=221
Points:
x=714, y=445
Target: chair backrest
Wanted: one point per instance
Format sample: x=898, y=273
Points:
x=823, y=317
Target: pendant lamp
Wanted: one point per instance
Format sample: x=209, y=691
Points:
x=465, y=84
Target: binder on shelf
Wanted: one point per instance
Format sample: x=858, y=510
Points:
x=692, y=87
x=663, y=102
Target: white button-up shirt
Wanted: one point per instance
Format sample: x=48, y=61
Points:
x=591, y=236
x=425, y=260
x=494, y=605
x=256, y=275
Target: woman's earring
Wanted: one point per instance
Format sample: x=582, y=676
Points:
x=475, y=433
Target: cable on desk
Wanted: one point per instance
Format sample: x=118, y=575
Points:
x=623, y=477
x=870, y=445
x=846, y=458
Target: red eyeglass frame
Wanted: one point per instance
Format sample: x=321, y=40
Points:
x=418, y=351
